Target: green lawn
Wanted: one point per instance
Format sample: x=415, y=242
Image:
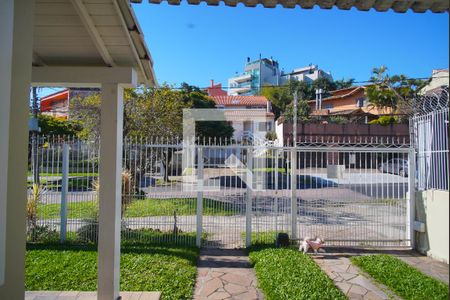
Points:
x=406, y=281
x=72, y=174
x=286, y=273
x=164, y=207
x=169, y=269
x=141, y=208
x=263, y=238
x=75, y=210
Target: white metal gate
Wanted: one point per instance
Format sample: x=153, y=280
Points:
x=349, y=196
x=234, y=195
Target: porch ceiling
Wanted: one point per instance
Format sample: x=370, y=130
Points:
x=400, y=6
x=90, y=33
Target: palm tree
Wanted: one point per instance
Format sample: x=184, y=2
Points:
x=391, y=92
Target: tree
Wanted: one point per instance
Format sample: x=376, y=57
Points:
x=159, y=112
x=279, y=97
x=194, y=97
x=325, y=84
x=392, y=91
x=86, y=111
x=153, y=112
x=303, y=111
x=57, y=126
x=343, y=84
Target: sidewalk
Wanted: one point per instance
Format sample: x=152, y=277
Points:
x=225, y=274
x=73, y=295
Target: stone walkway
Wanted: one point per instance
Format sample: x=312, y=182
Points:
x=225, y=274
x=348, y=278
x=73, y=295
x=356, y=285
x=427, y=265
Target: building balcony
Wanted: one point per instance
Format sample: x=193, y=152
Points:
x=241, y=90
x=242, y=78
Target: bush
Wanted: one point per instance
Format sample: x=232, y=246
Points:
x=88, y=233
x=338, y=120
x=58, y=126
x=32, y=205
x=42, y=234
x=271, y=135
x=385, y=120
x=128, y=189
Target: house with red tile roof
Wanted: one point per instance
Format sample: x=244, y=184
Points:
x=250, y=116
x=350, y=103
x=57, y=104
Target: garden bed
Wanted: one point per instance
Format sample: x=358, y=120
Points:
x=406, y=281
x=169, y=269
x=285, y=273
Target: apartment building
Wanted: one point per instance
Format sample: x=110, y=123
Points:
x=266, y=71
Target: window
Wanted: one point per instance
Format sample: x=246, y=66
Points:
x=328, y=106
x=361, y=102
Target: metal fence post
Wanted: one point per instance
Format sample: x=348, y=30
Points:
x=198, y=240
x=294, y=193
x=411, y=211
x=64, y=190
x=248, y=203
x=276, y=190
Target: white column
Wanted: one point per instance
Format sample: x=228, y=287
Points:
x=16, y=41
x=294, y=208
x=199, y=197
x=411, y=204
x=249, y=194
x=111, y=132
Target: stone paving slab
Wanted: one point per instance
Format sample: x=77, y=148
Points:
x=427, y=265
x=349, y=278
x=358, y=285
x=225, y=274
x=75, y=295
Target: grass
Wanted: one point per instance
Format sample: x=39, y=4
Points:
x=406, y=281
x=266, y=238
x=169, y=269
x=184, y=207
x=75, y=210
x=73, y=174
x=285, y=273
x=141, y=208
x=74, y=183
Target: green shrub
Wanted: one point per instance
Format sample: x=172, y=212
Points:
x=88, y=233
x=406, y=281
x=385, y=120
x=271, y=135
x=338, y=120
x=42, y=234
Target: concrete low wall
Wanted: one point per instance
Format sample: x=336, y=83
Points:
x=432, y=208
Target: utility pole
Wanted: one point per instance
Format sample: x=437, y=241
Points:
x=294, y=125
x=34, y=137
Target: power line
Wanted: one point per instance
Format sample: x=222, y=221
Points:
x=286, y=86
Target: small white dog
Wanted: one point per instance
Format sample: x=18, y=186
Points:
x=315, y=244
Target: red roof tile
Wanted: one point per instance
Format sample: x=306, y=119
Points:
x=240, y=100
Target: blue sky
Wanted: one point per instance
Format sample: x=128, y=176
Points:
x=198, y=43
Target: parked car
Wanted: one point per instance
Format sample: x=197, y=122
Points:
x=395, y=166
